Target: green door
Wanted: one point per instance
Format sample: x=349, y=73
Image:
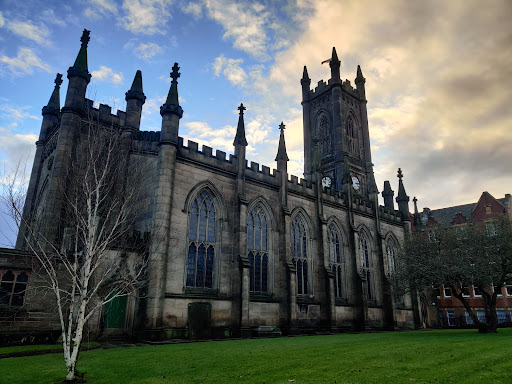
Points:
x=115, y=312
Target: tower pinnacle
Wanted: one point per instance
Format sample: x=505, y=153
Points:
x=335, y=65
x=53, y=105
x=81, y=59
x=240, y=130
x=136, y=91
x=281, y=151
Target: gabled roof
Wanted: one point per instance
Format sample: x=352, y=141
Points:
x=445, y=216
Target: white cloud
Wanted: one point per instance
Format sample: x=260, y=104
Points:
x=108, y=75
x=204, y=134
x=2, y=20
x=105, y=6
x=194, y=9
x=17, y=113
x=25, y=62
x=231, y=69
x=50, y=17
x=244, y=24
x=145, y=16
x=147, y=51
x=30, y=31
x=92, y=14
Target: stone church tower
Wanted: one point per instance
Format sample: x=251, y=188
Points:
x=235, y=242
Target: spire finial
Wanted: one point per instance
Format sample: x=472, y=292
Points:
x=175, y=74
x=400, y=174
x=282, y=127
x=85, y=37
x=241, y=108
x=58, y=80
x=414, y=200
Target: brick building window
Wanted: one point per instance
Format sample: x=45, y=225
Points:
x=502, y=316
x=508, y=289
x=300, y=254
x=336, y=259
x=481, y=316
x=450, y=315
x=201, y=248
x=257, y=249
x=447, y=291
x=13, y=286
x=469, y=320
x=477, y=292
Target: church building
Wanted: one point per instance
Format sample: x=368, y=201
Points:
x=234, y=245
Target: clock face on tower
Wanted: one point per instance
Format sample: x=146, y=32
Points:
x=355, y=183
x=326, y=181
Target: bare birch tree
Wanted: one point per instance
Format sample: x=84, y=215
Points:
x=89, y=266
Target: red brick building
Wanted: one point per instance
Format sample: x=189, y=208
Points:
x=445, y=309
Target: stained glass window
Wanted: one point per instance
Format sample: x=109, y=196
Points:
x=257, y=248
x=366, y=266
x=299, y=254
x=201, y=236
x=335, y=259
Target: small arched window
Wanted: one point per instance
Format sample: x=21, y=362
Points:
x=257, y=249
x=201, y=242
x=336, y=259
x=299, y=254
x=366, y=264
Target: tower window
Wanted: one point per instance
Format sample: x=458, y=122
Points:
x=325, y=135
x=352, y=136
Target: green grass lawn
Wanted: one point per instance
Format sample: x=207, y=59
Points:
x=448, y=356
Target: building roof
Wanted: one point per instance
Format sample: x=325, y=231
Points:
x=445, y=216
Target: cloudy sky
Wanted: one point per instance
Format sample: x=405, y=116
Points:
x=438, y=77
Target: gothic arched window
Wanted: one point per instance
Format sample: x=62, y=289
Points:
x=324, y=135
x=366, y=264
x=257, y=249
x=352, y=136
x=336, y=259
x=299, y=254
x=391, y=253
x=201, y=242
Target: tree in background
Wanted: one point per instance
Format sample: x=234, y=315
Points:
x=94, y=262
x=479, y=254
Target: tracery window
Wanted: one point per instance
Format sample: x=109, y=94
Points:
x=324, y=135
x=366, y=266
x=351, y=134
x=13, y=286
x=257, y=249
x=336, y=259
x=299, y=254
x=201, y=242
x=392, y=253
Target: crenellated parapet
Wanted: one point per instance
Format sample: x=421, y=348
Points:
x=146, y=142
x=103, y=115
